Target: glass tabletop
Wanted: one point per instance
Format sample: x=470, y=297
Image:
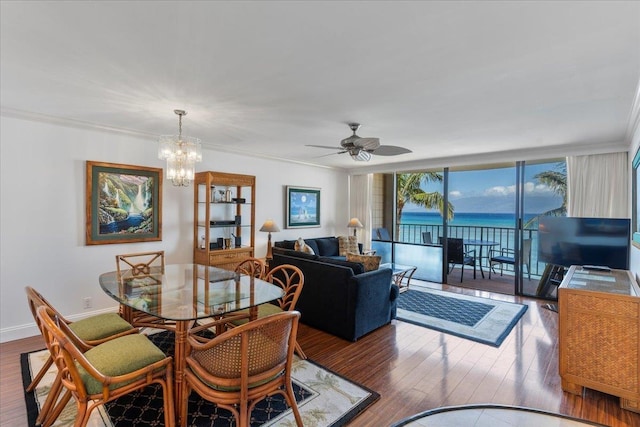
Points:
x=397, y=268
x=188, y=291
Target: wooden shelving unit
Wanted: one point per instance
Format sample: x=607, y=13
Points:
x=224, y=218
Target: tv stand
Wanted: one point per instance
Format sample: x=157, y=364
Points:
x=599, y=334
x=549, y=282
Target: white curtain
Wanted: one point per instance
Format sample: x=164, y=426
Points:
x=360, y=188
x=597, y=186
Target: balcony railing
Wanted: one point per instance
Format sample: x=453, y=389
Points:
x=503, y=236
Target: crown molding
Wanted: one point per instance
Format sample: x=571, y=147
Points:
x=79, y=124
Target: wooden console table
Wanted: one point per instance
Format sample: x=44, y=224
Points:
x=599, y=334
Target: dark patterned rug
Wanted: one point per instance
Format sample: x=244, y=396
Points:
x=479, y=319
x=324, y=399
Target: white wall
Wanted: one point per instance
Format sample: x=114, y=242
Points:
x=42, y=213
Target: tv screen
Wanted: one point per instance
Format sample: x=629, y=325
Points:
x=570, y=241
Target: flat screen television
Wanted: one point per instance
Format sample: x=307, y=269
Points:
x=570, y=241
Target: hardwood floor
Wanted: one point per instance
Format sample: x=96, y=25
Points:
x=415, y=369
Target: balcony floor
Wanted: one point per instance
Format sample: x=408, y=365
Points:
x=500, y=284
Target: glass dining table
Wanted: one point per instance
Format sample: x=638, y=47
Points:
x=185, y=293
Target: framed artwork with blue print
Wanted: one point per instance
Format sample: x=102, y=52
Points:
x=303, y=207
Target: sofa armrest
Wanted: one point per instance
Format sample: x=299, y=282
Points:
x=374, y=300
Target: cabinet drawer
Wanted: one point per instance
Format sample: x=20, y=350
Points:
x=228, y=259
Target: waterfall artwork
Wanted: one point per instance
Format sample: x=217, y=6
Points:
x=123, y=203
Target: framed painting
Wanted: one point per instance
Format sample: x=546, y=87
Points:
x=635, y=218
x=123, y=203
x=303, y=207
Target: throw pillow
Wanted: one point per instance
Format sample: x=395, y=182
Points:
x=301, y=246
x=347, y=244
x=370, y=262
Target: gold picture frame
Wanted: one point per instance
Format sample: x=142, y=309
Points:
x=123, y=203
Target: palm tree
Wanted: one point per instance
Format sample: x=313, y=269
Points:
x=409, y=191
x=556, y=180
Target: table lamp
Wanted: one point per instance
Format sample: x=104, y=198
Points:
x=355, y=224
x=270, y=227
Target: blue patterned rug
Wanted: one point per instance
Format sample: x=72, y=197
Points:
x=324, y=399
x=483, y=320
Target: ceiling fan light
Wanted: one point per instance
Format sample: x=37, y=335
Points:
x=361, y=156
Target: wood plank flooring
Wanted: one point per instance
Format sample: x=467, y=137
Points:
x=415, y=369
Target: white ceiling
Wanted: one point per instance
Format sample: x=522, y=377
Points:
x=440, y=78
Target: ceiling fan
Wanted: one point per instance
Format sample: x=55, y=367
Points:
x=361, y=149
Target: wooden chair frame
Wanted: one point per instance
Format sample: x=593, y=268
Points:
x=142, y=265
x=291, y=279
x=252, y=267
x=60, y=341
x=35, y=301
x=271, y=369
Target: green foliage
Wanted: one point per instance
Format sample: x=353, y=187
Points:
x=409, y=191
x=556, y=180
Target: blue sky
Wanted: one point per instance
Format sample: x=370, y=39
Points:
x=493, y=190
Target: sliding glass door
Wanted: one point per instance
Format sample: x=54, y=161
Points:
x=493, y=209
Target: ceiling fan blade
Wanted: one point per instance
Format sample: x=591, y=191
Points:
x=368, y=144
x=325, y=146
x=390, y=150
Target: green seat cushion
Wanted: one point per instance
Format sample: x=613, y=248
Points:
x=263, y=310
x=100, y=326
x=118, y=357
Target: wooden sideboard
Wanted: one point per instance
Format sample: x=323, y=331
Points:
x=599, y=334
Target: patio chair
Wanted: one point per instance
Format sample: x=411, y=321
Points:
x=426, y=238
x=105, y=372
x=244, y=365
x=457, y=255
x=507, y=256
x=381, y=234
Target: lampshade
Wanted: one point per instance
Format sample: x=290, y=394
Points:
x=270, y=226
x=355, y=223
x=181, y=154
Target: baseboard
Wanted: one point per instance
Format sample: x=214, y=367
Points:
x=30, y=329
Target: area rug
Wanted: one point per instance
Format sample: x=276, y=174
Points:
x=324, y=399
x=483, y=320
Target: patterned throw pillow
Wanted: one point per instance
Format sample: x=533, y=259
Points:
x=301, y=246
x=370, y=262
x=347, y=244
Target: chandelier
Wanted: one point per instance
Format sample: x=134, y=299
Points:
x=181, y=154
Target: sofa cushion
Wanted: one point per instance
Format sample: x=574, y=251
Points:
x=370, y=262
x=328, y=246
x=302, y=246
x=286, y=244
x=347, y=244
x=291, y=252
x=357, y=268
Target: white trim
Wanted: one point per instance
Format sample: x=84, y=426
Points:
x=30, y=329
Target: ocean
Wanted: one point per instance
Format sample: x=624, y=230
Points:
x=496, y=227
x=506, y=220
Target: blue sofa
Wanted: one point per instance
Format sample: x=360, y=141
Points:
x=338, y=297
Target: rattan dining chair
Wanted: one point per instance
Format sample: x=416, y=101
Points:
x=244, y=365
x=291, y=279
x=89, y=332
x=145, y=268
x=252, y=267
x=105, y=372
